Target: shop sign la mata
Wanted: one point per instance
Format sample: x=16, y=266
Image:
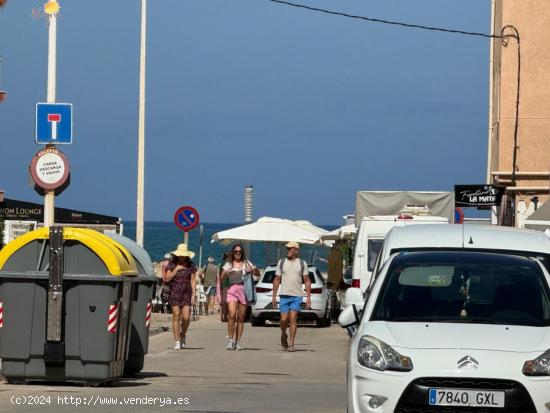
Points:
x=479, y=196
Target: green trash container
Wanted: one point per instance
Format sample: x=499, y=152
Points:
x=142, y=296
x=65, y=305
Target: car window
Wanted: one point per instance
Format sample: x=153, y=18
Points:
x=464, y=287
x=269, y=276
x=374, y=247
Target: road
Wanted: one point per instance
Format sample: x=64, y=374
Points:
x=206, y=378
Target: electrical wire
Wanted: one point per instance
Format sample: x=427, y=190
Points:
x=514, y=35
x=383, y=21
x=503, y=36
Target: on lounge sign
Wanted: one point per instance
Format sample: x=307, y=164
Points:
x=478, y=195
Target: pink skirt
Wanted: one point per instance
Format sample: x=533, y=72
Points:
x=235, y=294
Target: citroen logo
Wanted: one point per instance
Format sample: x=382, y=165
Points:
x=467, y=363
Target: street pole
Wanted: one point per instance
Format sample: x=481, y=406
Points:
x=141, y=129
x=200, y=244
x=49, y=196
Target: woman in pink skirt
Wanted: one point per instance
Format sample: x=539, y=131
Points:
x=234, y=269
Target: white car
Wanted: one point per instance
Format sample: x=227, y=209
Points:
x=454, y=329
x=263, y=309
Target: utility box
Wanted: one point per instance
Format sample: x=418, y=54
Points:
x=65, y=306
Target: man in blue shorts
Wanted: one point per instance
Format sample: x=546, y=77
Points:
x=291, y=273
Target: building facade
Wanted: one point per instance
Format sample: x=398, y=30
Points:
x=520, y=160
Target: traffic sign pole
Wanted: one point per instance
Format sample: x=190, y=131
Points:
x=49, y=197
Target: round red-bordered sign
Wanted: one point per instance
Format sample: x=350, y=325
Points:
x=186, y=218
x=459, y=216
x=49, y=168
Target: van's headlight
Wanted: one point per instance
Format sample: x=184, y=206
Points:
x=375, y=354
x=539, y=366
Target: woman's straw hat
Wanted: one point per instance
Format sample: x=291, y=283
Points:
x=182, y=251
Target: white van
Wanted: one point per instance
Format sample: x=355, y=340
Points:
x=370, y=237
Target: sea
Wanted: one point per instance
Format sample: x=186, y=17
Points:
x=163, y=237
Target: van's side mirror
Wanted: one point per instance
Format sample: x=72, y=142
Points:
x=351, y=315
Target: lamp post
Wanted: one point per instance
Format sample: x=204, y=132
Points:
x=141, y=128
x=51, y=8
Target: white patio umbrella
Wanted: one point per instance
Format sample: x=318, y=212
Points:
x=345, y=232
x=269, y=229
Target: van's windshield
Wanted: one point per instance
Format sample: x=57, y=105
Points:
x=464, y=287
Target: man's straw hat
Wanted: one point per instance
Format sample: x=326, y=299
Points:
x=182, y=251
x=293, y=244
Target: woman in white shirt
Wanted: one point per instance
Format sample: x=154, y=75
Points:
x=234, y=269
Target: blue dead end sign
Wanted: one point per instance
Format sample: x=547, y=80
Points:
x=186, y=218
x=54, y=123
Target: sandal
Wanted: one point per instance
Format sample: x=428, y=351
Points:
x=291, y=349
x=284, y=342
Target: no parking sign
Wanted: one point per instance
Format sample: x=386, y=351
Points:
x=186, y=218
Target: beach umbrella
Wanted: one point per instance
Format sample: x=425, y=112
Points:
x=269, y=229
x=345, y=232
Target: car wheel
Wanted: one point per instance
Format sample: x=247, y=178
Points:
x=257, y=321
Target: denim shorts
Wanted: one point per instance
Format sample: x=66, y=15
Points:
x=290, y=302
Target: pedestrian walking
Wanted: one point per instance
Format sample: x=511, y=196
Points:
x=209, y=277
x=290, y=274
x=234, y=270
x=181, y=275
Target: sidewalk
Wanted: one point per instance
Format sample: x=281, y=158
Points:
x=161, y=322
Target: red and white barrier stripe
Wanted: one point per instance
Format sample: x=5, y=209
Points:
x=148, y=312
x=113, y=318
x=1, y=314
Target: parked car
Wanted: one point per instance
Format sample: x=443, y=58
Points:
x=453, y=328
x=320, y=311
x=467, y=236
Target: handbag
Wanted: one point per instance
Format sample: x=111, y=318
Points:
x=249, y=288
x=165, y=294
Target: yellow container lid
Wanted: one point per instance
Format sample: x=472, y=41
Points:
x=117, y=259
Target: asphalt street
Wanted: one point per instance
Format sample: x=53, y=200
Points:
x=206, y=378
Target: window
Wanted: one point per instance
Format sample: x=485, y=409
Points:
x=374, y=247
x=464, y=287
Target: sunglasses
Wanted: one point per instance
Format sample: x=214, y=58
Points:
x=238, y=251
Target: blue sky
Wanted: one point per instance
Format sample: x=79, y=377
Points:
x=308, y=108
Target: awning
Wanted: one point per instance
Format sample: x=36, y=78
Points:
x=11, y=209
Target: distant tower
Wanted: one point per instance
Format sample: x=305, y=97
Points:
x=248, y=203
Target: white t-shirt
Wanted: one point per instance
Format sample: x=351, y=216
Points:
x=236, y=274
x=292, y=276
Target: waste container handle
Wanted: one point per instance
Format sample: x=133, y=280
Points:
x=54, y=351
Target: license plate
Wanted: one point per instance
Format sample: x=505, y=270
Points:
x=462, y=397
